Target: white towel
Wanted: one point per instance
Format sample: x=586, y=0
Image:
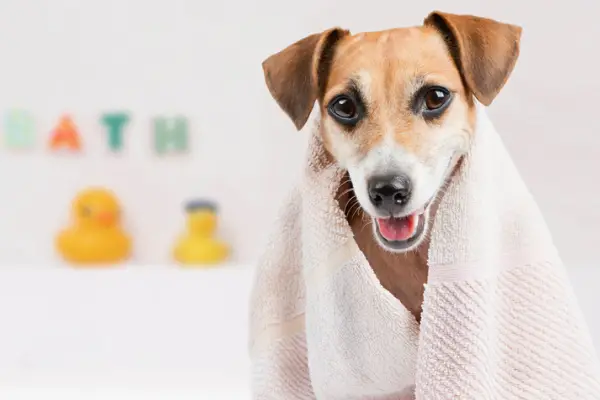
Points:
x=499, y=321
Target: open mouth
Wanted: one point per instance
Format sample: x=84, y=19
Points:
x=406, y=232
x=402, y=233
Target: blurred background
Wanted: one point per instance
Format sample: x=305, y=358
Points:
x=150, y=327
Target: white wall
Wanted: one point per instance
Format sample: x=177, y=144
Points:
x=203, y=59
x=148, y=57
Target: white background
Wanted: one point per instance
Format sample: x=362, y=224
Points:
x=202, y=59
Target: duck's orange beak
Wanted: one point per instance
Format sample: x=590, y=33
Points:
x=107, y=218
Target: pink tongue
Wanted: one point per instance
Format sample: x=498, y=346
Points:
x=398, y=229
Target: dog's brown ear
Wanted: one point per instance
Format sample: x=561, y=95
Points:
x=485, y=51
x=297, y=75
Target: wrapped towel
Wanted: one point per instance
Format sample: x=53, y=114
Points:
x=499, y=320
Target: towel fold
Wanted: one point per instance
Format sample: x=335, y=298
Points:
x=499, y=319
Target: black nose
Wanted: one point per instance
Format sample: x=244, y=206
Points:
x=390, y=193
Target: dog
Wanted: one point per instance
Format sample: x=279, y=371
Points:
x=397, y=112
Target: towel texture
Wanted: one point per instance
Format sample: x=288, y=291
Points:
x=499, y=320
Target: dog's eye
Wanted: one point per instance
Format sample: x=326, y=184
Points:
x=344, y=110
x=436, y=98
x=431, y=102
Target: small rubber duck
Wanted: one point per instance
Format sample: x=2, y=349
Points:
x=95, y=236
x=198, y=246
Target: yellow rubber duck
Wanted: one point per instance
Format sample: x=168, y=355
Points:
x=198, y=246
x=95, y=237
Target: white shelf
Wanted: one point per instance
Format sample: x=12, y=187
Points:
x=171, y=329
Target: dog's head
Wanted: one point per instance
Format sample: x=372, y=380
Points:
x=397, y=107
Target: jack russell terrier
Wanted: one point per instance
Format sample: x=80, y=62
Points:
x=397, y=113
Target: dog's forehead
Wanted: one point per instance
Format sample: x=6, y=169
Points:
x=414, y=51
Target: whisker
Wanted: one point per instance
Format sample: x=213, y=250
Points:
x=344, y=181
x=367, y=223
x=347, y=180
x=345, y=192
x=351, y=203
x=358, y=208
x=352, y=210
